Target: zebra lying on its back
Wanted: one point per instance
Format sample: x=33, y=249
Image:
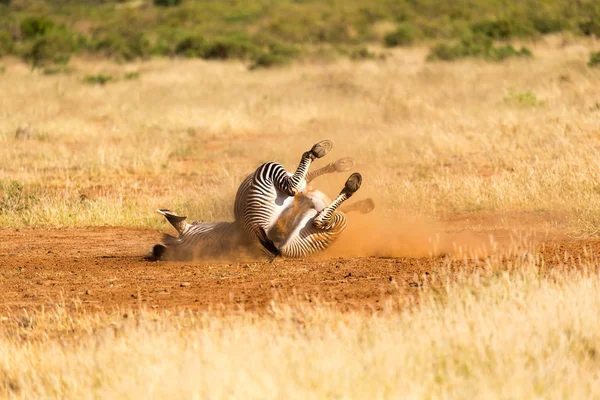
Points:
x=274, y=211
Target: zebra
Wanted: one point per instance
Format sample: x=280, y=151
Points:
x=285, y=215
x=288, y=222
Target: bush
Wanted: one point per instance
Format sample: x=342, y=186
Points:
x=13, y=198
x=34, y=27
x=361, y=53
x=233, y=46
x=404, y=35
x=276, y=55
x=475, y=46
x=122, y=43
x=589, y=23
x=493, y=29
x=503, y=52
x=527, y=99
x=166, y=3
x=191, y=46
x=594, y=59
x=4, y=2
x=132, y=75
x=55, y=47
x=6, y=44
x=99, y=79
x=547, y=24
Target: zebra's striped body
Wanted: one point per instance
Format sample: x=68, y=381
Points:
x=297, y=232
x=277, y=209
x=274, y=211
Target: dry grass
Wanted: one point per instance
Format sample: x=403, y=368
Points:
x=518, y=141
x=434, y=139
x=499, y=334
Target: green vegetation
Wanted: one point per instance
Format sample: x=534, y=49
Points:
x=166, y=3
x=131, y=76
x=476, y=46
x=404, y=35
x=266, y=33
x=12, y=197
x=99, y=79
x=594, y=59
x=526, y=99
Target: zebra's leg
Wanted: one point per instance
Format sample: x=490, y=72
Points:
x=363, y=206
x=343, y=164
x=324, y=219
x=293, y=184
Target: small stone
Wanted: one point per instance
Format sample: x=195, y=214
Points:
x=185, y=284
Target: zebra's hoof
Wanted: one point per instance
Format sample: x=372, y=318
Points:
x=352, y=184
x=321, y=148
x=365, y=206
x=344, y=164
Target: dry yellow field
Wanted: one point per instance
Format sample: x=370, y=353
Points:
x=487, y=188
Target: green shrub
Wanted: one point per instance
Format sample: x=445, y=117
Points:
x=33, y=27
x=2, y=69
x=404, y=35
x=54, y=47
x=191, y=46
x=594, y=59
x=13, y=199
x=493, y=29
x=361, y=53
x=503, y=52
x=548, y=24
x=166, y=3
x=6, y=43
x=528, y=99
x=475, y=46
x=98, y=79
x=4, y=2
x=123, y=43
x=466, y=47
x=276, y=55
x=589, y=21
x=235, y=46
x=56, y=69
x=132, y=75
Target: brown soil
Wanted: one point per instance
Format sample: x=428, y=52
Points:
x=104, y=268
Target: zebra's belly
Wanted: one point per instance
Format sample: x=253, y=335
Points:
x=294, y=213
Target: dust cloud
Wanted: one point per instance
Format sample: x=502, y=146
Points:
x=379, y=235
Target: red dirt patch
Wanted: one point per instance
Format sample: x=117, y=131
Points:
x=103, y=268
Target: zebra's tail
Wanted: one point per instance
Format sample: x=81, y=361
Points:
x=177, y=221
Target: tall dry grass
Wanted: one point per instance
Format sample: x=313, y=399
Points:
x=441, y=140
x=517, y=141
x=516, y=333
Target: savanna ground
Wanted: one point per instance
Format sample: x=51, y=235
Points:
x=476, y=276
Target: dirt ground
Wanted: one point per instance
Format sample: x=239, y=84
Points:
x=104, y=268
